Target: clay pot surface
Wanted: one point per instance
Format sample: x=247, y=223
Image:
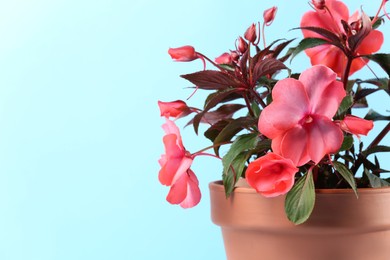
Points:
x=341, y=226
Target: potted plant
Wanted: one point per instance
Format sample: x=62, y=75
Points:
x=296, y=174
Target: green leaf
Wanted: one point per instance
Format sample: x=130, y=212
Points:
x=306, y=44
x=375, y=181
x=234, y=171
x=234, y=160
x=300, y=199
x=347, y=143
x=346, y=174
x=377, y=23
x=376, y=149
x=346, y=103
x=382, y=59
x=375, y=116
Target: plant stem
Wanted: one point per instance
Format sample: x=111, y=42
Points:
x=375, y=142
x=248, y=105
x=380, y=136
x=346, y=72
x=258, y=98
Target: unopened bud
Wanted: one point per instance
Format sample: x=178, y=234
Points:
x=225, y=58
x=319, y=4
x=250, y=33
x=175, y=109
x=235, y=56
x=242, y=45
x=184, y=53
x=269, y=15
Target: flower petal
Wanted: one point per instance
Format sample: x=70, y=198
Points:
x=193, y=192
x=294, y=145
x=324, y=137
x=282, y=114
x=324, y=92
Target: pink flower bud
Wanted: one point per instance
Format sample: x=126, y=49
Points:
x=318, y=4
x=269, y=15
x=225, y=58
x=175, y=109
x=242, y=45
x=184, y=53
x=356, y=125
x=250, y=33
x=235, y=56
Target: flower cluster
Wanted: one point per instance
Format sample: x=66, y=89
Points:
x=297, y=130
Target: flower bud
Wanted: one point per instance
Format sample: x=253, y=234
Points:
x=250, y=33
x=269, y=15
x=184, y=53
x=356, y=125
x=175, y=109
x=235, y=56
x=225, y=58
x=318, y=4
x=242, y=45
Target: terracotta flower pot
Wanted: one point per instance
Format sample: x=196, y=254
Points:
x=341, y=227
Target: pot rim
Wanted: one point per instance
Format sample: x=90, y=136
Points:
x=218, y=186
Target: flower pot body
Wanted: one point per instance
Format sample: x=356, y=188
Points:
x=341, y=226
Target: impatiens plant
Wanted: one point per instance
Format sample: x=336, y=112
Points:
x=298, y=132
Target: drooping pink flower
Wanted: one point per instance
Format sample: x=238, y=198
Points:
x=175, y=109
x=184, y=53
x=224, y=58
x=250, y=33
x=299, y=119
x=356, y=125
x=271, y=175
x=175, y=169
x=185, y=191
x=330, y=55
x=269, y=15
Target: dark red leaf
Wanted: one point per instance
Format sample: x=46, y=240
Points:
x=332, y=37
x=267, y=66
x=212, y=79
x=361, y=93
x=278, y=49
x=217, y=98
x=223, y=112
x=243, y=64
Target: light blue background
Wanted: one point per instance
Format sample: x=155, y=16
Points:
x=80, y=129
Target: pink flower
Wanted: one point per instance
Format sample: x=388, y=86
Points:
x=185, y=191
x=184, y=53
x=269, y=15
x=224, y=58
x=356, y=125
x=175, y=169
x=250, y=33
x=175, y=109
x=330, y=55
x=271, y=175
x=299, y=119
